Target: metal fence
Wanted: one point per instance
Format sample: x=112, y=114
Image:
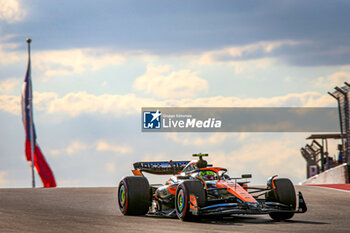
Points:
x=342, y=95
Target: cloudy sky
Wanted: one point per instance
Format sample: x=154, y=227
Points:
x=96, y=63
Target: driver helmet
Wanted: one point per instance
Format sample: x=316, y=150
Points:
x=207, y=175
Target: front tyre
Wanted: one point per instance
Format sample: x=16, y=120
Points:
x=182, y=198
x=284, y=193
x=134, y=195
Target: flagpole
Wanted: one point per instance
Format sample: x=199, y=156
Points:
x=30, y=98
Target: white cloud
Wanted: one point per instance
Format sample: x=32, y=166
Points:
x=247, y=51
x=261, y=154
x=110, y=167
x=205, y=140
x=52, y=63
x=7, y=55
x=105, y=146
x=256, y=64
x=75, y=104
x=190, y=140
x=3, y=180
x=80, y=60
x=10, y=103
x=11, y=11
x=78, y=146
x=160, y=82
x=55, y=152
x=306, y=99
x=333, y=80
x=8, y=85
x=288, y=79
x=74, y=148
x=264, y=157
x=65, y=62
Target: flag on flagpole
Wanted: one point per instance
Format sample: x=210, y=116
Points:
x=32, y=149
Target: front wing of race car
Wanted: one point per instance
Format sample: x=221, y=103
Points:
x=261, y=207
x=246, y=208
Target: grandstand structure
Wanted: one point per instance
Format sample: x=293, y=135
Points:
x=316, y=153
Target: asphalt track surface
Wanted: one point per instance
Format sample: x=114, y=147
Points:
x=95, y=210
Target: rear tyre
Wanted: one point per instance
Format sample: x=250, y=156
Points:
x=284, y=193
x=134, y=195
x=182, y=198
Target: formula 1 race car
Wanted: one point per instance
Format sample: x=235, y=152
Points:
x=198, y=189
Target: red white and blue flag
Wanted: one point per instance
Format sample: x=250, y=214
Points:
x=40, y=163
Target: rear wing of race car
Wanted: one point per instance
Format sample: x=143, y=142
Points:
x=159, y=167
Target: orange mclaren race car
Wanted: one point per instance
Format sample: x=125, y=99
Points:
x=199, y=189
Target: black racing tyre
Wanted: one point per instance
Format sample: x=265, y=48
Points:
x=182, y=198
x=134, y=195
x=284, y=193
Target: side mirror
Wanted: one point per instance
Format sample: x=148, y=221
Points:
x=246, y=176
